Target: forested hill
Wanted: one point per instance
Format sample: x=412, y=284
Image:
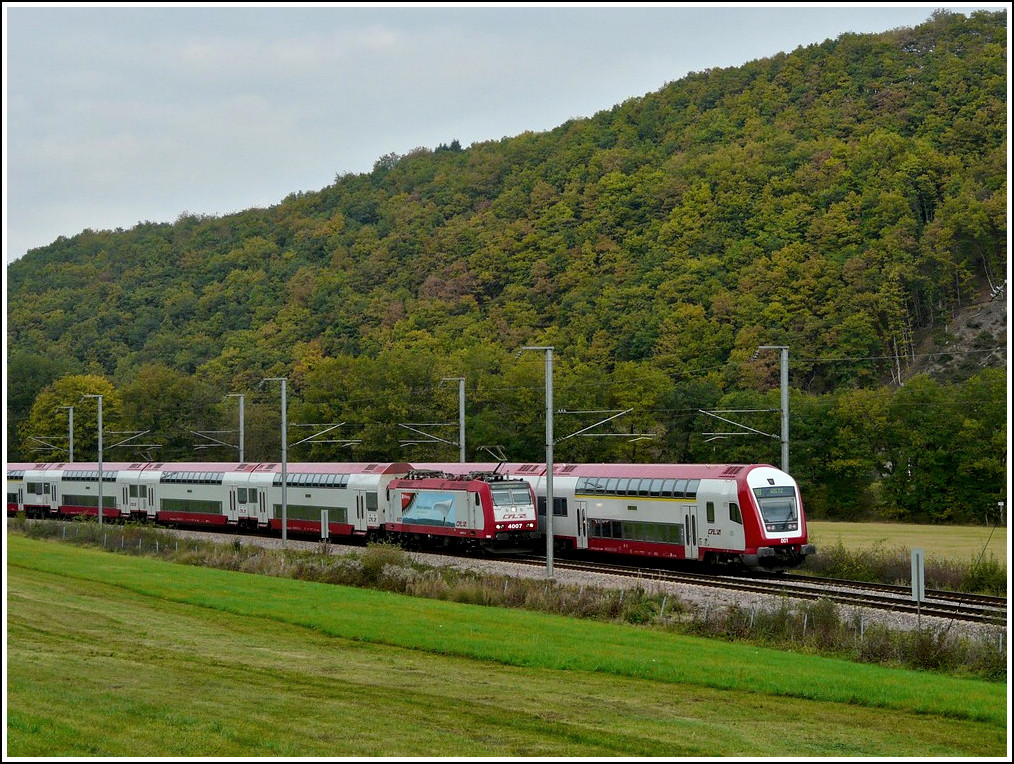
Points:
x=846, y=200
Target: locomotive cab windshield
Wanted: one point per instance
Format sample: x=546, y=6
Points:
x=509, y=495
x=778, y=508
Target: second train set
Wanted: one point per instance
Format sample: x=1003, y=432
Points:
x=749, y=514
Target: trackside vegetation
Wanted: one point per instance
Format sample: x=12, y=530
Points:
x=818, y=628
x=111, y=655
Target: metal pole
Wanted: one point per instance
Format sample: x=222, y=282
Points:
x=461, y=414
x=100, y=462
x=785, y=409
x=241, y=401
x=285, y=477
x=100, y=455
x=549, y=462
x=549, y=457
x=70, y=432
x=461, y=420
x=784, y=364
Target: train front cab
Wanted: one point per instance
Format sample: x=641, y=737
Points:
x=514, y=515
x=776, y=528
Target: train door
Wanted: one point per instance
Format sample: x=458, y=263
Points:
x=474, y=514
x=367, y=514
x=235, y=508
x=16, y=499
x=51, y=490
x=137, y=499
x=50, y=497
x=263, y=516
x=41, y=497
x=691, y=544
x=142, y=499
x=134, y=495
x=359, y=520
x=247, y=504
x=151, y=500
x=582, y=524
x=253, y=499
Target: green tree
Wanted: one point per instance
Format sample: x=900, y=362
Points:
x=168, y=407
x=47, y=422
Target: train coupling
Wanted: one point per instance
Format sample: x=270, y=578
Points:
x=769, y=556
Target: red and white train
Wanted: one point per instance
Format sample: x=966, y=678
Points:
x=750, y=514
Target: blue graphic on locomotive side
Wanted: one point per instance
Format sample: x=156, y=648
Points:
x=430, y=508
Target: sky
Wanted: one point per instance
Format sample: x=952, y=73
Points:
x=117, y=114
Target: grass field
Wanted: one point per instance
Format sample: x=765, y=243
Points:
x=109, y=655
x=964, y=543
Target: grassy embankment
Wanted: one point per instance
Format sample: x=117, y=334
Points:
x=111, y=655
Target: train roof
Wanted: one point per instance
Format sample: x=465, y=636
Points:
x=565, y=469
x=689, y=471
x=508, y=469
x=317, y=468
x=327, y=468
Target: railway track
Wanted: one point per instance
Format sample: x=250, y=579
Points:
x=971, y=608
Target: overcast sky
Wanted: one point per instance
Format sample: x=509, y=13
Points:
x=117, y=115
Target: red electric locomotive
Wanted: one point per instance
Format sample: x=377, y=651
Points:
x=482, y=510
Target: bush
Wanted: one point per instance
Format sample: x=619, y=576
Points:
x=377, y=558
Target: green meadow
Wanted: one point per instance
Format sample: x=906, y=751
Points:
x=952, y=543
x=113, y=655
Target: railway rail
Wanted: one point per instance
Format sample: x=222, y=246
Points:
x=972, y=608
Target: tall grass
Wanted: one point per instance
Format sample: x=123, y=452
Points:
x=820, y=627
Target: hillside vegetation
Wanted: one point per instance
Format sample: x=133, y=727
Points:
x=846, y=200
